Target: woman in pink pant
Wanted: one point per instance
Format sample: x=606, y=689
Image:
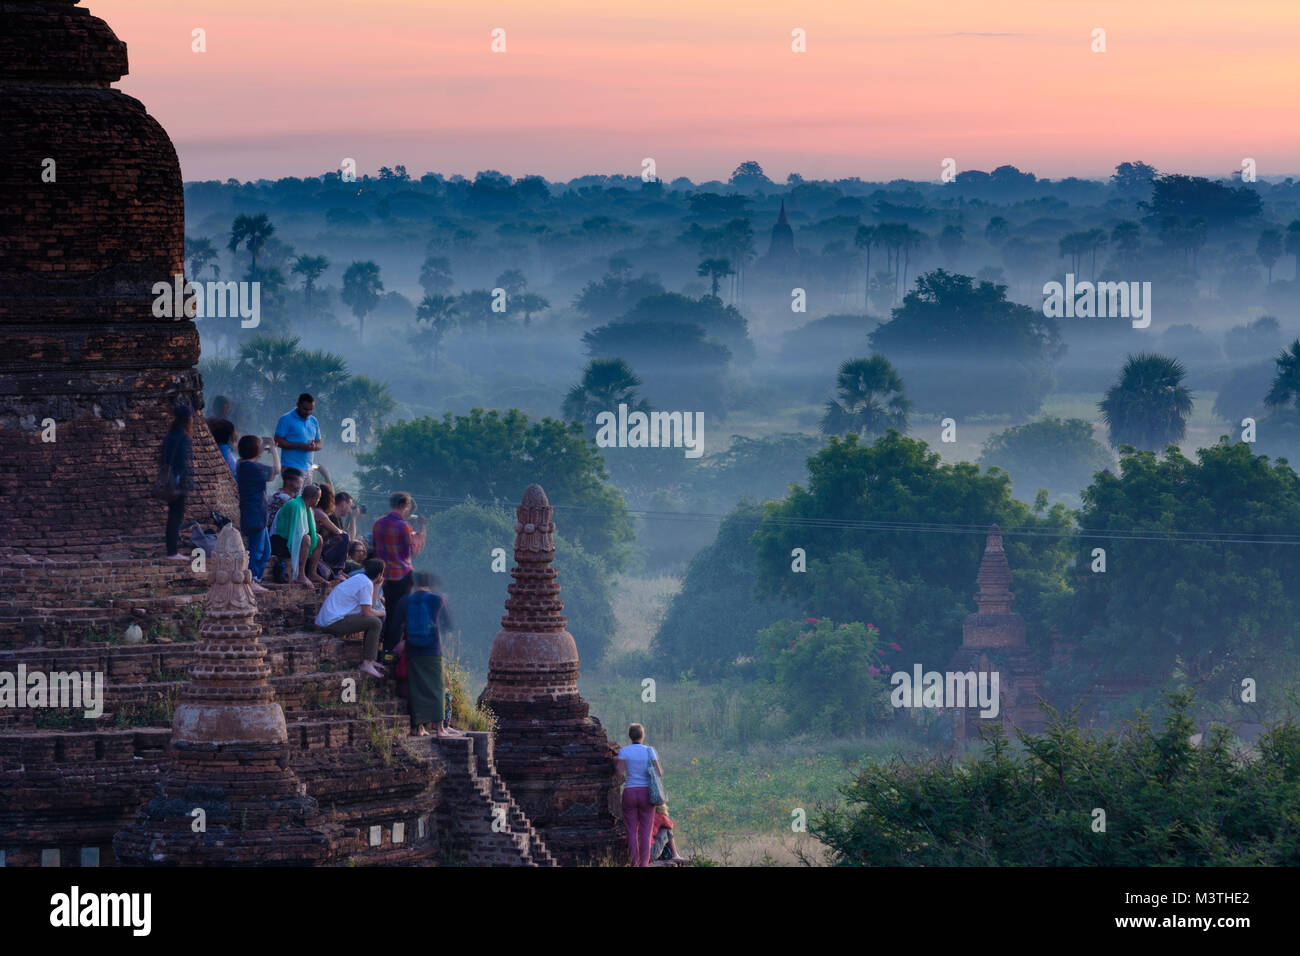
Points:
x=634, y=762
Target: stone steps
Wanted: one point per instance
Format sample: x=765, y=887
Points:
x=480, y=819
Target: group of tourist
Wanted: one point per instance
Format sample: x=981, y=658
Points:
x=312, y=531
x=307, y=534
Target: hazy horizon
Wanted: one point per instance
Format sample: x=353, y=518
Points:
x=879, y=94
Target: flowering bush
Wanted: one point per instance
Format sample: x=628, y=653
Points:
x=828, y=678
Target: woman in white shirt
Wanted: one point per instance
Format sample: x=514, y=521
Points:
x=634, y=762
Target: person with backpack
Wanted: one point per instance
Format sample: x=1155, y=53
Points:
x=176, y=476
x=416, y=617
x=635, y=762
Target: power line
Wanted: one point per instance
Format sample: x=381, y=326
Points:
x=444, y=503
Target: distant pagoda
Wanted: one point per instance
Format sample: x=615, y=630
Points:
x=993, y=640
x=781, y=247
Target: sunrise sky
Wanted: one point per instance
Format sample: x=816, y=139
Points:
x=885, y=90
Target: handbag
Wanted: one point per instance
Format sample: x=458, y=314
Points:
x=657, y=796
x=165, y=486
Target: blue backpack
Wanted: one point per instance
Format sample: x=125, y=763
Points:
x=422, y=618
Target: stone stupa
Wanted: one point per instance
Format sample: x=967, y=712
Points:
x=553, y=755
x=229, y=797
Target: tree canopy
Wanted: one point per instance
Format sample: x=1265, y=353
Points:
x=492, y=457
x=948, y=324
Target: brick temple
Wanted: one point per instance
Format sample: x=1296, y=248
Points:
x=216, y=700
x=993, y=639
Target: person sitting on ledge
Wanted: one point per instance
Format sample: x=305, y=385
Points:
x=357, y=556
x=350, y=607
x=290, y=486
x=416, y=617
x=345, y=513
x=334, y=540
x=295, y=526
x=664, y=847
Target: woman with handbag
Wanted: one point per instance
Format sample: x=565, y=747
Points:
x=176, y=476
x=642, y=789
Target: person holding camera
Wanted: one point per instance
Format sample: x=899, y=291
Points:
x=396, y=543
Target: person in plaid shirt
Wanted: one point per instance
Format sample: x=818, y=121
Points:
x=396, y=544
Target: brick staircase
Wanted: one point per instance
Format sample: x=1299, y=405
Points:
x=479, y=821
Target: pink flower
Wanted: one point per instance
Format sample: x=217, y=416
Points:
x=880, y=651
x=894, y=647
x=886, y=668
x=874, y=670
x=810, y=620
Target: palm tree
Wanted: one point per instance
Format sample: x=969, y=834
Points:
x=475, y=309
x=253, y=232
x=531, y=302
x=715, y=269
x=1126, y=237
x=899, y=241
x=1286, y=383
x=606, y=383
x=871, y=399
x=310, y=268
x=361, y=288
x=951, y=239
x=864, y=239
x=909, y=239
x=738, y=240
x=198, y=253
x=1292, y=244
x=364, y=400
x=266, y=363
x=435, y=275
x=514, y=282
x=1072, y=245
x=996, y=230
x=1092, y=240
x=1198, y=231
x=1269, y=250
x=439, y=311
x=1149, y=405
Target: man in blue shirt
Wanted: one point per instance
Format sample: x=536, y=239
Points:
x=298, y=434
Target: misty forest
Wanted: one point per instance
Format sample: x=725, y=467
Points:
x=878, y=376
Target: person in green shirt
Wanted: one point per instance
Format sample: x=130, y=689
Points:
x=296, y=524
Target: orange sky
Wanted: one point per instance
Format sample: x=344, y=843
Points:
x=886, y=89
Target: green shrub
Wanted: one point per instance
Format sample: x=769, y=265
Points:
x=827, y=677
x=1166, y=802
